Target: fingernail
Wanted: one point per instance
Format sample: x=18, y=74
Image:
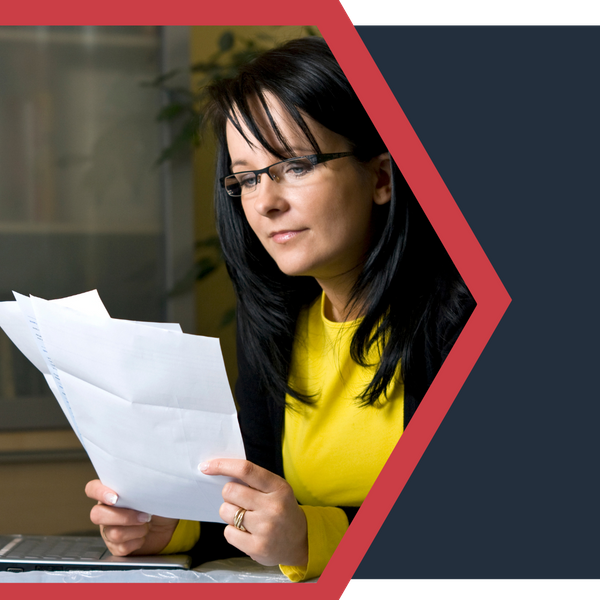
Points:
x=110, y=498
x=204, y=467
x=144, y=517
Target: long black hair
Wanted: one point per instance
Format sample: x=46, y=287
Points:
x=409, y=291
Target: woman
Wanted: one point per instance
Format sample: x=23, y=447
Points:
x=347, y=306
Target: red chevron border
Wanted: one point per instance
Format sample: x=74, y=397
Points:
x=490, y=295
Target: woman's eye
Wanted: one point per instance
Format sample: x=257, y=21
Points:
x=298, y=168
x=247, y=181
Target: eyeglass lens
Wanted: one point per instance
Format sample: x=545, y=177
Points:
x=288, y=172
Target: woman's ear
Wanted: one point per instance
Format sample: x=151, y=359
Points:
x=382, y=167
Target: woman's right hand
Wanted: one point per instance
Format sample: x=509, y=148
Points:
x=127, y=531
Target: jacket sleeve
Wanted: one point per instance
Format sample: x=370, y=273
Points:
x=260, y=418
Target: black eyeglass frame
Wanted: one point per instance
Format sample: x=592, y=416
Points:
x=315, y=159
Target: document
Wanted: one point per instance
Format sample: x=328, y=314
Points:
x=148, y=402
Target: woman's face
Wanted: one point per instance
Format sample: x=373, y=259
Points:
x=323, y=227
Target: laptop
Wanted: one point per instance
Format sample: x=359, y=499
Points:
x=19, y=553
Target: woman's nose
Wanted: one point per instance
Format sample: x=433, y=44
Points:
x=269, y=198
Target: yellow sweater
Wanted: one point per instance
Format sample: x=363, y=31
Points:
x=333, y=450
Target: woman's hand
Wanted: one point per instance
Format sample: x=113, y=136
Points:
x=276, y=531
x=127, y=531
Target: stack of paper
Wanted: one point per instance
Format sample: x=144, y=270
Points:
x=148, y=402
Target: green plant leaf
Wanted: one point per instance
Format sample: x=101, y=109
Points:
x=204, y=267
x=201, y=269
x=209, y=242
x=171, y=111
x=187, y=138
x=203, y=66
x=226, y=41
x=158, y=81
x=227, y=318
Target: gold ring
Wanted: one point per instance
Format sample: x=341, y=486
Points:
x=239, y=517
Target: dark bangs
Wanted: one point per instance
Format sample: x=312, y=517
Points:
x=307, y=80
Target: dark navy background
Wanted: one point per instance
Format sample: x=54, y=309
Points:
x=510, y=485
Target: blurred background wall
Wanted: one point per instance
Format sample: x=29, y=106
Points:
x=85, y=203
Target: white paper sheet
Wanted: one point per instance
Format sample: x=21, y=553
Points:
x=148, y=402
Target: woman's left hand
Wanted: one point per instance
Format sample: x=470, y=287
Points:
x=276, y=531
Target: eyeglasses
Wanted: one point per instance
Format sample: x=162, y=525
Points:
x=292, y=171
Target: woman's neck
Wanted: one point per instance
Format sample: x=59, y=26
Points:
x=338, y=306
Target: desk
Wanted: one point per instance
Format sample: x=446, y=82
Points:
x=231, y=570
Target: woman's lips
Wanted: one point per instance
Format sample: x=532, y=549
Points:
x=281, y=237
